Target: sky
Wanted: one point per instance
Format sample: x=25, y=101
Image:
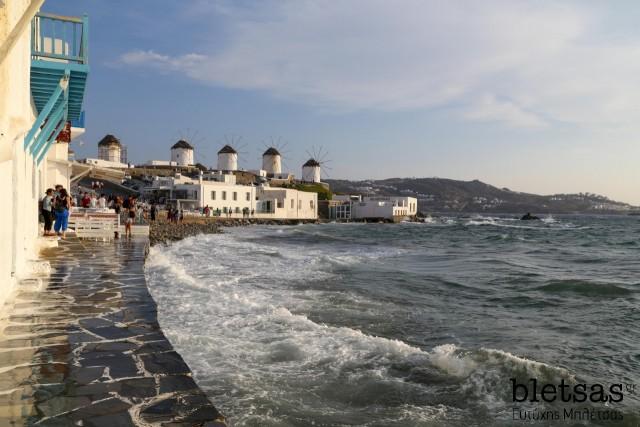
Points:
x=537, y=96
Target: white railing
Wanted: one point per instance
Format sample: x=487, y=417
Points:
x=92, y=224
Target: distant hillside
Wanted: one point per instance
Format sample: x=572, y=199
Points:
x=448, y=195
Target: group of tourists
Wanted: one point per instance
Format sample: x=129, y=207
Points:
x=97, y=185
x=56, y=205
x=57, y=202
x=208, y=211
x=93, y=201
x=174, y=214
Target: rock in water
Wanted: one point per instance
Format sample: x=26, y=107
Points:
x=528, y=217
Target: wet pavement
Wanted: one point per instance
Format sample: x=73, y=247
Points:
x=82, y=346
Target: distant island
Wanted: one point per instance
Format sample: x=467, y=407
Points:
x=449, y=195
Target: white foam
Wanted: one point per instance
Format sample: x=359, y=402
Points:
x=445, y=358
x=239, y=310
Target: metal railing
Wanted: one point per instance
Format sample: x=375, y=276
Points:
x=60, y=38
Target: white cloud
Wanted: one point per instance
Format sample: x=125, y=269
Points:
x=539, y=62
x=151, y=58
x=490, y=109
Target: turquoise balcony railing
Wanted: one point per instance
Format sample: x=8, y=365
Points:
x=62, y=38
x=59, y=69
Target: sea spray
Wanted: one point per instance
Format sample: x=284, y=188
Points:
x=388, y=324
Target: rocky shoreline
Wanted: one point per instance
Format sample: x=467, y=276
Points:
x=166, y=232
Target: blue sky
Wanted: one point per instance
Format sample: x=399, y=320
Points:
x=536, y=96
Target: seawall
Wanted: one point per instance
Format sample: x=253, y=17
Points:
x=83, y=344
x=162, y=231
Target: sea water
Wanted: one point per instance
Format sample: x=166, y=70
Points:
x=413, y=324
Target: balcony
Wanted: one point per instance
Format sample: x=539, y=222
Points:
x=59, y=43
x=59, y=69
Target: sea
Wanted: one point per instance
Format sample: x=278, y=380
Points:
x=412, y=324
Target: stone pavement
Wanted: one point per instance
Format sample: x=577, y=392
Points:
x=82, y=347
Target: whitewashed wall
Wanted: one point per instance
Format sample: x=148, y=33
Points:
x=206, y=198
x=58, y=166
x=182, y=156
x=293, y=204
x=21, y=180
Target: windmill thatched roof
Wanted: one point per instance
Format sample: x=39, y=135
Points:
x=271, y=151
x=311, y=163
x=227, y=149
x=182, y=144
x=109, y=140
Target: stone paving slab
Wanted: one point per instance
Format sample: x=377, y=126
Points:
x=82, y=347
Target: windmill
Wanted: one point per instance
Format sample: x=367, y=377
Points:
x=272, y=157
x=316, y=166
x=190, y=149
x=232, y=151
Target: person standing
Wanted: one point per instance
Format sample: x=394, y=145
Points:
x=86, y=200
x=153, y=212
x=102, y=202
x=62, y=205
x=129, y=221
x=139, y=213
x=47, y=211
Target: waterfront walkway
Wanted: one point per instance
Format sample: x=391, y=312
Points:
x=82, y=346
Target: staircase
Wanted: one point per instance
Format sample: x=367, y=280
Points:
x=59, y=69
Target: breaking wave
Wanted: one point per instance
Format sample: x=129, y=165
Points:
x=283, y=325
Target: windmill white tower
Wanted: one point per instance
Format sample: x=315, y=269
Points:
x=311, y=171
x=182, y=153
x=110, y=149
x=227, y=159
x=317, y=163
x=272, y=161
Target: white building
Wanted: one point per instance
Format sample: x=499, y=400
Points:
x=30, y=159
x=182, y=153
x=311, y=171
x=272, y=161
x=384, y=208
x=159, y=163
x=104, y=163
x=285, y=203
x=227, y=159
x=221, y=193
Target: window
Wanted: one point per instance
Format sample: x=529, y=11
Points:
x=237, y=209
x=213, y=195
x=299, y=205
x=280, y=204
x=235, y=195
x=248, y=196
x=311, y=204
x=292, y=203
x=224, y=196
